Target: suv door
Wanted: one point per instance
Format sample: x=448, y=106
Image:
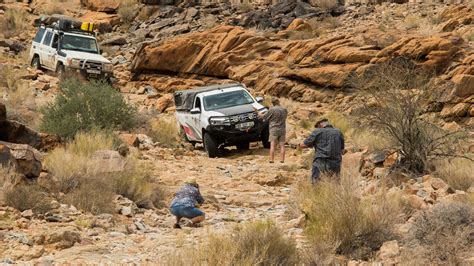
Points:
x=195, y=121
x=48, y=51
x=36, y=44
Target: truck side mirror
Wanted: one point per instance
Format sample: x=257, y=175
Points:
x=259, y=99
x=195, y=111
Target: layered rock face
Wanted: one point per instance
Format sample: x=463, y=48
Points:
x=297, y=69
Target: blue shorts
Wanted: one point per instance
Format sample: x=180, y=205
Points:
x=186, y=212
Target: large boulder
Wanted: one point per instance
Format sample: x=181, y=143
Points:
x=22, y=158
x=278, y=66
x=15, y=132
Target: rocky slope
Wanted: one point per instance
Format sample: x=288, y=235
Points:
x=291, y=50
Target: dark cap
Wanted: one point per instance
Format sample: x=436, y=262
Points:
x=321, y=121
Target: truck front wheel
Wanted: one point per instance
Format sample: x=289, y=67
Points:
x=60, y=71
x=211, y=146
x=35, y=63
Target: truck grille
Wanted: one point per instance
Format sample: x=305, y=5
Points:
x=243, y=117
x=91, y=65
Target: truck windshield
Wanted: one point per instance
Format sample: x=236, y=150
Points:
x=78, y=43
x=227, y=99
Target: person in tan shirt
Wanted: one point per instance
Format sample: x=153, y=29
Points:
x=276, y=117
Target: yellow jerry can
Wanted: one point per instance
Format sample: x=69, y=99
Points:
x=87, y=26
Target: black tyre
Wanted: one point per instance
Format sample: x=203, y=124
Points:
x=243, y=146
x=211, y=146
x=35, y=63
x=265, y=136
x=60, y=71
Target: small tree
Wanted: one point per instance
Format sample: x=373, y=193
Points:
x=84, y=106
x=396, y=94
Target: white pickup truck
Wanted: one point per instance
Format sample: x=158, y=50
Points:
x=61, y=48
x=219, y=116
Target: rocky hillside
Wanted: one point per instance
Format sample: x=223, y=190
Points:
x=102, y=197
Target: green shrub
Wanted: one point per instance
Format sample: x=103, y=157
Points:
x=27, y=197
x=84, y=106
x=258, y=243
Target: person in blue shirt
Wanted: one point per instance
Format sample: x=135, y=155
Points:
x=185, y=203
x=328, y=143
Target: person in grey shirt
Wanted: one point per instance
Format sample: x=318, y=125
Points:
x=328, y=143
x=276, y=117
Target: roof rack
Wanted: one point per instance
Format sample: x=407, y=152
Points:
x=66, y=24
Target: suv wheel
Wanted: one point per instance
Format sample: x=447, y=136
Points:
x=35, y=63
x=60, y=71
x=243, y=146
x=211, y=146
x=265, y=135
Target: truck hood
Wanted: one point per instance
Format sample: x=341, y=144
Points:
x=235, y=110
x=84, y=55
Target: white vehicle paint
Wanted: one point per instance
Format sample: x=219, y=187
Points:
x=64, y=51
x=225, y=113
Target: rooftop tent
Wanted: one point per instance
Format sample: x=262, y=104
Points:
x=184, y=99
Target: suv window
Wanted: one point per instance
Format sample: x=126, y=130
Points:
x=47, y=39
x=55, y=41
x=198, y=104
x=39, y=35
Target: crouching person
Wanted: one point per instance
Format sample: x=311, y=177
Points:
x=185, y=203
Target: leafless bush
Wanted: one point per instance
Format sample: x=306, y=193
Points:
x=396, y=94
x=445, y=232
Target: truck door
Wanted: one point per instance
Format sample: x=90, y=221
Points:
x=195, y=122
x=48, y=51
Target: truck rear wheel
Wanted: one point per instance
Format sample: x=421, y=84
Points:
x=211, y=146
x=265, y=136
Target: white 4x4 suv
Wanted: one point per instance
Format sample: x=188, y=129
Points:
x=69, y=51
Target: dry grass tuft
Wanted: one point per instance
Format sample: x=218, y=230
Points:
x=165, y=131
x=257, y=243
x=136, y=183
x=340, y=221
x=327, y=5
x=14, y=22
x=93, y=195
x=54, y=7
x=127, y=11
x=369, y=139
x=412, y=22
x=27, y=197
x=458, y=173
x=72, y=163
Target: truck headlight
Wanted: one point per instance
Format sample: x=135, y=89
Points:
x=107, y=67
x=219, y=121
x=76, y=63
